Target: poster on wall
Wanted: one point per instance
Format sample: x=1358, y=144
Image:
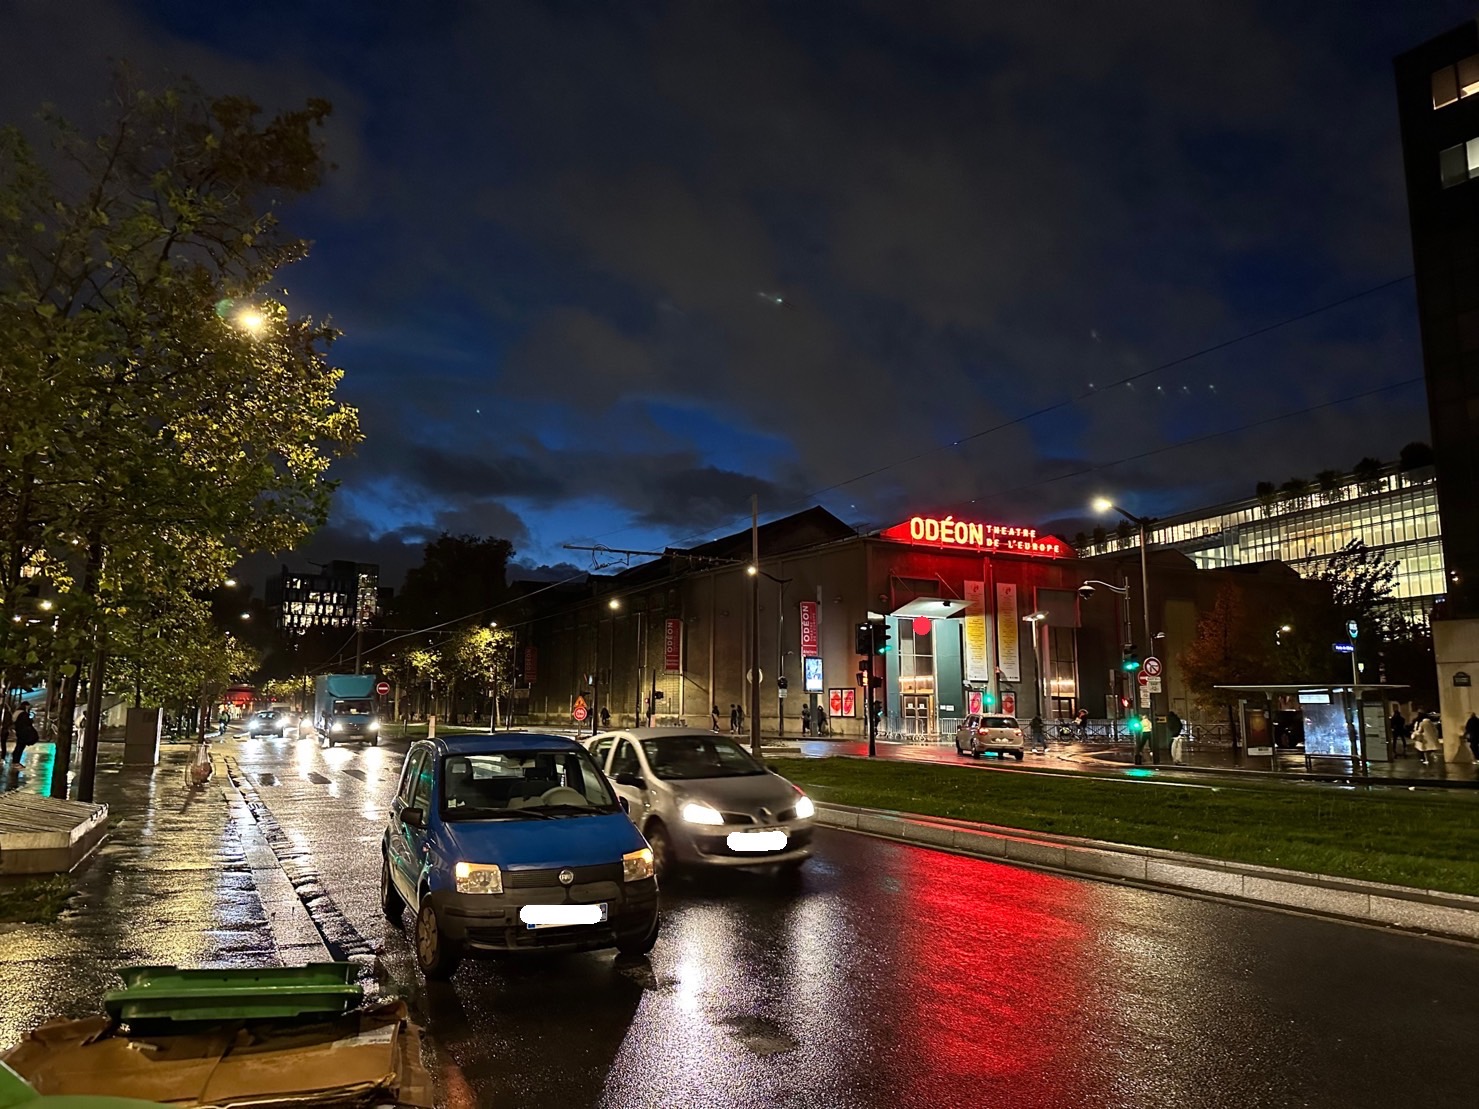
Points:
x=841, y=702
x=811, y=673
x=977, y=657
x=848, y=702
x=1007, y=631
x=531, y=665
x=973, y=703
x=1009, y=704
x=810, y=641
x=672, y=645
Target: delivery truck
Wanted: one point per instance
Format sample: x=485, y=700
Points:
x=344, y=709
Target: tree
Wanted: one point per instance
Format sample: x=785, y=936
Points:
x=1415, y=456
x=482, y=659
x=1268, y=496
x=1330, y=484
x=1295, y=492
x=1230, y=648
x=460, y=576
x=1361, y=583
x=1367, y=473
x=138, y=330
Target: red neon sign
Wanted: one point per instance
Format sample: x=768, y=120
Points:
x=970, y=535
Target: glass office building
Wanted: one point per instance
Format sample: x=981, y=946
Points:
x=1394, y=513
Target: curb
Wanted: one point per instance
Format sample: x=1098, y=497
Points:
x=44, y=835
x=1445, y=914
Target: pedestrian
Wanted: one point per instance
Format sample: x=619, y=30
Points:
x=806, y=720
x=1425, y=737
x=733, y=719
x=822, y=728
x=1471, y=734
x=647, y=711
x=1399, y=729
x=1081, y=721
x=714, y=720
x=605, y=718
x=25, y=732
x=225, y=720
x=1174, y=728
x=739, y=719
x=1039, y=736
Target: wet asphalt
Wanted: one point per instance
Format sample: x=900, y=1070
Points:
x=889, y=975
x=885, y=975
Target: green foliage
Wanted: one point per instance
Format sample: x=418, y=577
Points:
x=1229, y=649
x=169, y=653
x=460, y=576
x=1361, y=581
x=1367, y=473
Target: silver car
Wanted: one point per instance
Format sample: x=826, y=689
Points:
x=980, y=734
x=700, y=798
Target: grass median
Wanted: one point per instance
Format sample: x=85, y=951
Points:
x=1429, y=840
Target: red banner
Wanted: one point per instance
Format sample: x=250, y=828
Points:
x=531, y=665
x=848, y=702
x=810, y=647
x=672, y=645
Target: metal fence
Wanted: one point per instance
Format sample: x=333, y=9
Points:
x=1101, y=733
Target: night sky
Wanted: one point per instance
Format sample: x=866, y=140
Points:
x=605, y=270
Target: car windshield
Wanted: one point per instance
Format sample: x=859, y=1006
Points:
x=998, y=722
x=271, y=715
x=352, y=708
x=512, y=784
x=682, y=757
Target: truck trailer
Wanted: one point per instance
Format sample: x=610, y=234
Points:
x=344, y=709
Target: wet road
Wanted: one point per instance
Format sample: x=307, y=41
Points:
x=888, y=975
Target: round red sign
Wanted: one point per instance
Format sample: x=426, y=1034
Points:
x=578, y=713
x=382, y=688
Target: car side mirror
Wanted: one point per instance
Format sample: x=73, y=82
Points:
x=414, y=818
x=627, y=778
x=626, y=806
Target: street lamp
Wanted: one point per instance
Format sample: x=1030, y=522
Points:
x=1036, y=620
x=1086, y=590
x=229, y=583
x=1144, y=523
x=1280, y=632
x=251, y=321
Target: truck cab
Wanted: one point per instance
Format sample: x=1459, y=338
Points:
x=345, y=710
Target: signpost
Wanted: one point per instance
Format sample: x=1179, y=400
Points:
x=579, y=712
x=382, y=688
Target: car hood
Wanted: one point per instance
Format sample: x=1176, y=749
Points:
x=541, y=844
x=742, y=793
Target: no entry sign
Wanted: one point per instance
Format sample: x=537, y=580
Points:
x=382, y=688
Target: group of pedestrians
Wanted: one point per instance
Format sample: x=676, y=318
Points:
x=1424, y=735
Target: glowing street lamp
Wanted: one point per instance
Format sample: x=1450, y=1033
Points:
x=251, y=321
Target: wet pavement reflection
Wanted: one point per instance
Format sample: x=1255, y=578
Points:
x=882, y=975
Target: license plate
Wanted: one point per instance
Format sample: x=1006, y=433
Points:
x=562, y=916
x=774, y=840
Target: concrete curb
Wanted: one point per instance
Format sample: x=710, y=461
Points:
x=1446, y=914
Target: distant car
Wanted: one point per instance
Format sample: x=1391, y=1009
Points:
x=700, y=798
x=979, y=734
x=271, y=722
x=513, y=842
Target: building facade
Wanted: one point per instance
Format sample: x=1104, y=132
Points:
x=1394, y=512
x=341, y=595
x=979, y=615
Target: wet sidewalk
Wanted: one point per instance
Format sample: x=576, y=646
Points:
x=183, y=878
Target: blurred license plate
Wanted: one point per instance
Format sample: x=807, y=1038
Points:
x=561, y=916
x=774, y=840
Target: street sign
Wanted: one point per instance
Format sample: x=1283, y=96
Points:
x=382, y=688
x=1153, y=685
x=1351, y=629
x=579, y=712
x=1344, y=648
x=1143, y=680
x=1152, y=667
x=1145, y=697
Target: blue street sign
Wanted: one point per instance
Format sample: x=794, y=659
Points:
x=1345, y=648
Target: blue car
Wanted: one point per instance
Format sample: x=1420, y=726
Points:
x=514, y=842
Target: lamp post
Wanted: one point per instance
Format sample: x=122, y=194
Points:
x=1279, y=633
x=1035, y=620
x=753, y=569
x=1086, y=590
x=1144, y=524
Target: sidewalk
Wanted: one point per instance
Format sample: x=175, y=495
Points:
x=183, y=878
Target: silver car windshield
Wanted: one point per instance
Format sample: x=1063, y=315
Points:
x=686, y=757
x=514, y=784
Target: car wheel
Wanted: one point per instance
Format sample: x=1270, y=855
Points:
x=642, y=944
x=436, y=955
x=1018, y=755
x=959, y=750
x=663, y=862
x=392, y=904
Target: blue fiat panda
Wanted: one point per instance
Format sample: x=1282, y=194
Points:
x=513, y=842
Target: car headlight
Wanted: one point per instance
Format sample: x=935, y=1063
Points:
x=374, y=725
x=805, y=810
x=252, y=727
x=636, y=865
x=696, y=812
x=337, y=726
x=478, y=878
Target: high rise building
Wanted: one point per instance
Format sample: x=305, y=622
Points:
x=341, y=595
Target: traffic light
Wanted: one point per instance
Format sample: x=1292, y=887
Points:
x=1124, y=702
x=1130, y=658
x=880, y=637
x=1132, y=725
x=864, y=639
x=988, y=699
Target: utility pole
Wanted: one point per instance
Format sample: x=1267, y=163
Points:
x=754, y=570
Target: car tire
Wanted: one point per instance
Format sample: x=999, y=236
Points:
x=642, y=944
x=436, y=955
x=1018, y=755
x=959, y=750
x=664, y=865
x=392, y=904
x=375, y=742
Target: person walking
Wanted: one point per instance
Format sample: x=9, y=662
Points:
x=733, y=719
x=821, y=721
x=806, y=720
x=714, y=719
x=605, y=719
x=1039, y=735
x=1425, y=738
x=225, y=720
x=739, y=719
x=1471, y=734
x=25, y=733
x=1399, y=729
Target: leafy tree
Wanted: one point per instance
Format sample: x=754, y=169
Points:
x=1330, y=484
x=1100, y=536
x=1295, y=492
x=482, y=658
x=1361, y=581
x=460, y=576
x=164, y=413
x=1367, y=473
x=1268, y=496
x=1230, y=648
x=1415, y=456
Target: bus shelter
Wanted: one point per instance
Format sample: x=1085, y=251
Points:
x=1316, y=721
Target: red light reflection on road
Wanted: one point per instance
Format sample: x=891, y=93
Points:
x=996, y=982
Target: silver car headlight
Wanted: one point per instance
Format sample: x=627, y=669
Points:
x=636, y=865
x=478, y=878
x=696, y=812
x=805, y=810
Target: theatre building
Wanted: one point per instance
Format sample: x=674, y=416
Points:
x=978, y=613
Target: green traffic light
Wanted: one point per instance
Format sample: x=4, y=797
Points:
x=1132, y=725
